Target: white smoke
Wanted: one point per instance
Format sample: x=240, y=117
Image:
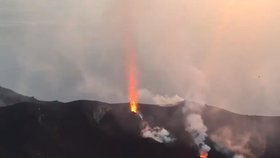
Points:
x=146, y=96
x=195, y=126
x=158, y=134
x=192, y=110
x=166, y=100
x=238, y=156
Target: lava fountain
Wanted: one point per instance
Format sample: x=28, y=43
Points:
x=130, y=50
x=158, y=134
x=132, y=79
x=132, y=94
x=132, y=86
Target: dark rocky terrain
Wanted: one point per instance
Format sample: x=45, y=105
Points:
x=92, y=129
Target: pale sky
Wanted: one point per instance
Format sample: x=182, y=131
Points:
x=220, y=52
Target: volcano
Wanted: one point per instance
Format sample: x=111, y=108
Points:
x=88, y=129
x=9, y=97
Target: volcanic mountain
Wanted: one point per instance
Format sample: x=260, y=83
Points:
x=9, y=97
x=88, y=129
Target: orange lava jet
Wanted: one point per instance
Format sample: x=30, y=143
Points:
x=130, y=48
x=203, y=154
x=132, y=89
x=132, y=81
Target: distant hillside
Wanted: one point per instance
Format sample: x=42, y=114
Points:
x=9, y=97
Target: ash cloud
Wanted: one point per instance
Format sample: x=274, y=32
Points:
x=73, y=50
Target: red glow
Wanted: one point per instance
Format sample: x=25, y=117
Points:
x=203, y=154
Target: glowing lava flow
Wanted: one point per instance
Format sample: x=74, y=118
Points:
x=203, y=154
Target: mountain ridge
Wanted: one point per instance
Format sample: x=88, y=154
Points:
x=9, y=97
x=113, y=122
x=86, y=129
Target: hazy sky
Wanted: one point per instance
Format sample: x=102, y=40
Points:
x=220, y=52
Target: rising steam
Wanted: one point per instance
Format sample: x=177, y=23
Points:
x=147, y=96
x=158, y=134
x=195, y=126
x=238, y=156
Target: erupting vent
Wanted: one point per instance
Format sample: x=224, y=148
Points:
x=133, y=107
x=203, y=154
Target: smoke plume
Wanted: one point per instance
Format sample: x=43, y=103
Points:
x=195, y=126
x=159, y=134
x=238, y=156
x=146, y=96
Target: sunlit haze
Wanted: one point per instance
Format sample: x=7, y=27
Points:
x=219, y=52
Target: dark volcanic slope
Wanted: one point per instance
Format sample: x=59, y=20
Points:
x=9, y=97
x=85, y=129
